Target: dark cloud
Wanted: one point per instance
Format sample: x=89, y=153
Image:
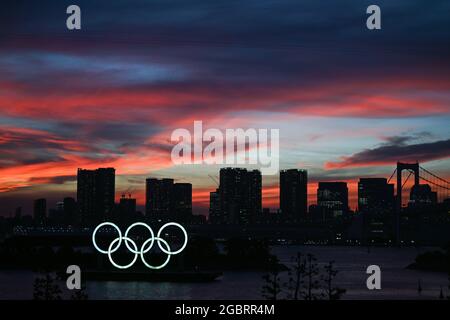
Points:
x=91, y=140
x=398, y=140
x=403, y=139
x=54, y=180
x=223, y=41
x=120, y=133
x=25, y=146
x=390, y=154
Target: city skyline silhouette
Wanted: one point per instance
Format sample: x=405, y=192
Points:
x=250, y=149
x=111, y=94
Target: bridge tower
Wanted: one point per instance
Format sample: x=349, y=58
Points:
x=414, y=168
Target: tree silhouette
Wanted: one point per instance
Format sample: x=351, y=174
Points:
x=296, y=277
x=306, y=281
x=311, y=284
x=272, y=287
x=331, y=292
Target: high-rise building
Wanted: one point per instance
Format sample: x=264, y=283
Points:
x=240, y=195
x=293, y=193
x=421, y=195
x=86, y=195
x=215, y=215
x=165, y=197
x=182, y=200
x=159, y=196
x=332, y=198
x=375, y=195
x=40, y=210
x=95, y=194
x=376, y=204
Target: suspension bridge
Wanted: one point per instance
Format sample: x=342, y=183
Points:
x=438, y=185
x=421, y=176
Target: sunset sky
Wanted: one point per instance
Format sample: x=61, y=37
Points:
x=349, y=102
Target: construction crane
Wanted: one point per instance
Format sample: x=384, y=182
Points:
x=214, y=179
x=128, y=192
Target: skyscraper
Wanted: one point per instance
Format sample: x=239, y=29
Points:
x=159, y=196
x=375, y=195
x=293, y=193
x=86, y=195
x=40, y=210
x=240, y=195
x=163, y=196
x=182, y=200
x=376, y=204
x=332, y=198
x=215, y=215
x=95, y=194
x=421, y=195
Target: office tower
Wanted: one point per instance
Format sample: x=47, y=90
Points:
x=293, y=194
x=255, y=196
x=163, y=196
x=376, y=204
x=375, y=195
x=95, y=194
x=421, y=196
x=182, y=200
x=86, y=195
x=159, y=196
x=215, y=216
x=40, y=210
x=240, y=195
x=332, y=198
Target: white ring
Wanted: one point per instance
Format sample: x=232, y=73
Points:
x=185, y=237
x=106, y=224
x=148, y=228
x=149, y=265
x=143, y=250
x=118, y=265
